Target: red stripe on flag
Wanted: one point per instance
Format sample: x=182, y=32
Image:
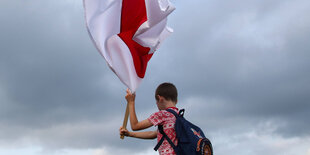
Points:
x=133, y=16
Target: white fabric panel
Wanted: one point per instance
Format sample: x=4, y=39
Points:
x=103, y=19
x=122, y=62
x=152, y=32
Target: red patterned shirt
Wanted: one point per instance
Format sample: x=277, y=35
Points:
x=166, y=119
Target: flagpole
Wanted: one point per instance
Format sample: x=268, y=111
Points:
x=125, y=119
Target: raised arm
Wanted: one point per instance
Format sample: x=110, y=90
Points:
x=135, y=124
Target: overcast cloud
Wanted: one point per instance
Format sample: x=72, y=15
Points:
x=241, y=67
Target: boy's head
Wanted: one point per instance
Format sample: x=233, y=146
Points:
x=167, y=91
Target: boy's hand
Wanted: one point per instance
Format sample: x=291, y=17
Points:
x=130, y=97
x=123, y=132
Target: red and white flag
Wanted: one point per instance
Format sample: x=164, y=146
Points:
x=127, y=32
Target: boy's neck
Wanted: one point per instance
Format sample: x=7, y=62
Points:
x=169, y=104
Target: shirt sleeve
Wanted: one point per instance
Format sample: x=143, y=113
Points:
x=156, y=118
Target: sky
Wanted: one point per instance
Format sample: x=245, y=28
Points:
x=241, y=67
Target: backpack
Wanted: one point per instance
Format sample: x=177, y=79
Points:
x=191, y=139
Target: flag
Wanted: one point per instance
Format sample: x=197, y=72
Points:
x=127, y=33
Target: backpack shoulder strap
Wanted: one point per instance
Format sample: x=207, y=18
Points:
x=161, y=130
x=181, y=112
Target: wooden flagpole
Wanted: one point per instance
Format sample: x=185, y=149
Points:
x=125, y=119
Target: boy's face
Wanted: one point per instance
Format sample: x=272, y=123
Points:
x=158, y=105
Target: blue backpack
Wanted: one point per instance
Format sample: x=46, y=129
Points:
x=191, y=139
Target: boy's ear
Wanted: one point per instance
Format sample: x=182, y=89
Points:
x=160, y=98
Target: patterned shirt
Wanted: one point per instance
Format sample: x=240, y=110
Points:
x=166, y=119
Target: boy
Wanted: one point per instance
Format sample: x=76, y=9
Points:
x=166, y=97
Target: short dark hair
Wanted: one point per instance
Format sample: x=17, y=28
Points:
x=168, y=91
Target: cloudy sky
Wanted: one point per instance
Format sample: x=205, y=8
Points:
x=242, y=69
